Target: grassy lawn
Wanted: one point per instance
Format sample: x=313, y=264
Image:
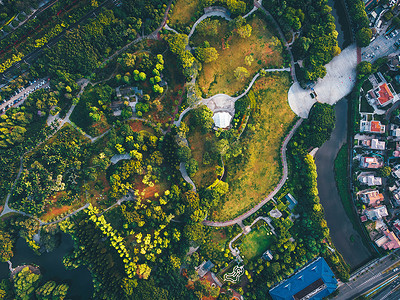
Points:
x=218, y=76
x=256, y=243
x=206, y=174
x=183, y=12
x=252, y=180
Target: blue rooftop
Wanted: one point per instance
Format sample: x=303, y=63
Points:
x=313, y=282
x=292, y=201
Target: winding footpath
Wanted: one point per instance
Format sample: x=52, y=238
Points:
x=272, y=194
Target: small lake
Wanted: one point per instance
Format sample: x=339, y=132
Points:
x=52, y=268
x=341, y=22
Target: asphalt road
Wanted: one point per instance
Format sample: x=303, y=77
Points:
x=368, y=278
x=344, y=236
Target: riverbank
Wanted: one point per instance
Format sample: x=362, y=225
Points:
x=346, y=239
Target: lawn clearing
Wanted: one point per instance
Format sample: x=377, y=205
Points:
x=253, y=178
x=183, y=13
x=256, y=243
x=218, y=76
x=54, y=212
x=206, y=174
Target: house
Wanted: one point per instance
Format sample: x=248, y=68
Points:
x=369, y=179
x=396, y=171
x=292, y=201
x=372, y=127
x=313, y=282
x=373, y=162
x=396, y=225
x=384, y=95
x=222, y=119
x=204, y=268
x=371, y=197
x=394, y=130
x=275, y=213
x=267, y=255
x=376, y=213
x=389, y=241
x=374, y=144
x=396, y=196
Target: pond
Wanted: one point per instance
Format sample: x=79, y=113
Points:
x=52, y=268
x=341, y=22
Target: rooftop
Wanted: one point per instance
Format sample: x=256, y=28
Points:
x=371, y=162
x=385, y=94
x=222, y=119
x=376, y=213
x=314, y=281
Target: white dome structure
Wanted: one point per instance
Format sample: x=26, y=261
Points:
x=222, y=119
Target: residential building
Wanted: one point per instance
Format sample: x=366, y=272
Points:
x=396, y=196
x=373, y=162
x=204, y=268
x=371, y=197
x=372, y=127
x=292, y=201
x=388, y=241
x=313, y=282
x=369, y=179
x=396, y=225
x=374, y=144
x=384, y=95
x=267, y=255
x=396, y=171
x=394, y=130
x=376, y=213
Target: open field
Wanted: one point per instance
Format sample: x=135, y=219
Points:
x=260, y=171
x=206, y=174
x=256, y=243
x=183, y=12
x=218, y=76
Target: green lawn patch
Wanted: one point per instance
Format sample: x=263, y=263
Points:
x=254, y=177
x=256, y=243
x=262, y=48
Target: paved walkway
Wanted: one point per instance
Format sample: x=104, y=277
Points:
x=338, y=83
x=272, y=194
x=185, y=175
x=212, y=13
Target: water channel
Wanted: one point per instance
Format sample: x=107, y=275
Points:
x=52, y=268
x=344, y=236
x=341, y=22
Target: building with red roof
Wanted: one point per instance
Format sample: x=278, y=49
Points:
x=372, y=127
x=385, y=96
x=389, y=241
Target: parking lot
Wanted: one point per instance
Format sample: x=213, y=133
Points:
x=382, y=46
x=19, y=97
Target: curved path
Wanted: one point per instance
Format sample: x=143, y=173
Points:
x=223, y=97
x=213, y=13
x=185, y=175
x=272, y=194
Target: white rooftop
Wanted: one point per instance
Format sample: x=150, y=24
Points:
x=222, y=119
x=378, y=145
